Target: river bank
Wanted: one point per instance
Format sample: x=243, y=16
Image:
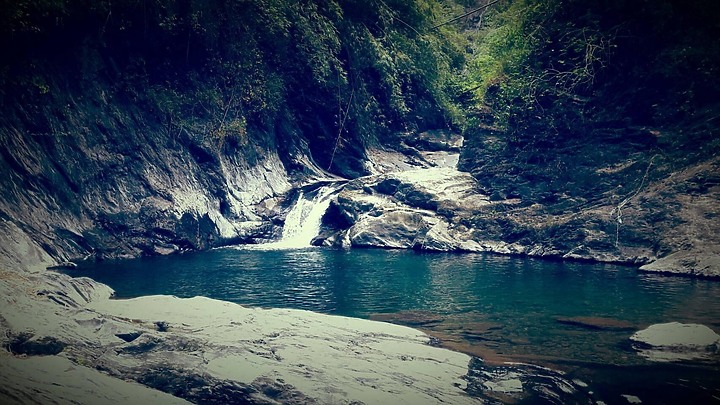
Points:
x=68, y=341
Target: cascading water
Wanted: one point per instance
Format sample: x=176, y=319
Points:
x=303, y=222
x=304, y=219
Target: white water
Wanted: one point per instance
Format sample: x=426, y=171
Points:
x=303, y=221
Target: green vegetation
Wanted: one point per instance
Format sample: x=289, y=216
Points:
x=349, y=73
x=552, y=69
x=572, y=100
x=346, y=74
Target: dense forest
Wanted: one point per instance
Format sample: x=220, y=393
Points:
x=553, y=76
x=345, y=74
x=540, y=72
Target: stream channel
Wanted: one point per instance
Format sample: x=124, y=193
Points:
x=573, y=317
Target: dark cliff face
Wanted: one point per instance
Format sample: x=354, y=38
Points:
x=635, y=199
x=131, y=129
x=102, y=178
x=600, y=121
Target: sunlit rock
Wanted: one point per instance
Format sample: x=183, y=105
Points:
x=420, y=209
x=205, y=350
x=676, y=341
x=395, y=229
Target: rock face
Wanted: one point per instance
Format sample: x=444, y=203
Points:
x=204, y=350
x=641, y=196
x=419, y=209
x=96, y=195
x=665, y=222
x=676, y=341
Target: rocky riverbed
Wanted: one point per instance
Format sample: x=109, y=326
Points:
x=436, y=207
x=66, y=339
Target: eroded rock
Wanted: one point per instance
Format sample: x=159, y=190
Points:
x=216, y=351
x=524, y=383
x=27, y=344
x=421, y=209
x=394, y=229
x=676, y=341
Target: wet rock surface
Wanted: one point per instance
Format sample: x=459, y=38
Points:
x=98, y=196
x=107, y=179
x=522, y=383
x=676, y=341
x=419, y=209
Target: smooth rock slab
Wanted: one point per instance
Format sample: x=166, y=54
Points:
x=676, y=341
x=53, y=379
x=331, y=359
x=205, y=350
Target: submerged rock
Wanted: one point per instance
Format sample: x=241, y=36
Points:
x=676, y=341
x=524, y=383
x=410, y=318
x=596, y=323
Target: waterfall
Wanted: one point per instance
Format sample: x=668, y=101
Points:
x=304, y=219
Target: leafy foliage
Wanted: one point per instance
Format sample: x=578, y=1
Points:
x=570, y=100
x=357, y=70
x=564, y=67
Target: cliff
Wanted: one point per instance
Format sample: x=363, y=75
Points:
x=132, y=129
x=141, y=133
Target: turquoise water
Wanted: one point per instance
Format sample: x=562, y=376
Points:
x=501, y=305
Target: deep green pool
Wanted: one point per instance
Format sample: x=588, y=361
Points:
x=509, y=306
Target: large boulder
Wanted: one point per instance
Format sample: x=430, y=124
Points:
x=676, y=341
x=393, y=229
x=421, y=209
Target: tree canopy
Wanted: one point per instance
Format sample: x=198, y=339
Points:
x=353, y=70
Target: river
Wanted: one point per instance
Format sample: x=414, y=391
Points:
x=571, y=316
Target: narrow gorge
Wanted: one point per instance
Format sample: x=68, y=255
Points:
x=346, y=202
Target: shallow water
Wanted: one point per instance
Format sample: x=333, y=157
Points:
x=503, y=307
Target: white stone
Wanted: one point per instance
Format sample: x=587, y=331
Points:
x=631, y=399
x=677, y=341
x=315, y=353
x=333, y=359
x=56, y=380
x=677, y=335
